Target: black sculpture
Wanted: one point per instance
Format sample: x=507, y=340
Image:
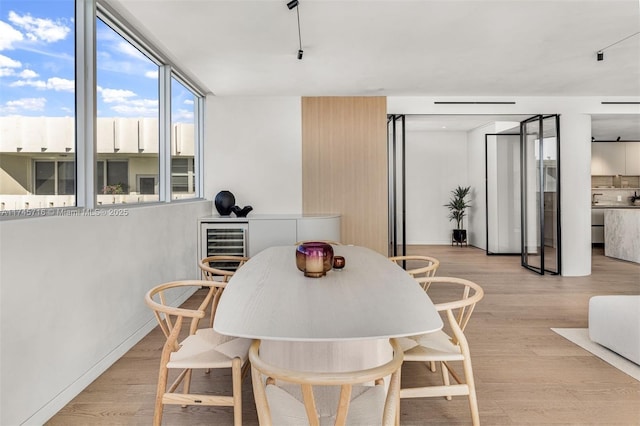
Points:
x=241, y=212
x=224, y=202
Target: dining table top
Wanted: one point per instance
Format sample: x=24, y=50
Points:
x=371, y=298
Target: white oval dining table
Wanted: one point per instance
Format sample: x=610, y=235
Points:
x=340, y=321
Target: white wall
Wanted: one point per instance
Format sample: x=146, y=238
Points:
x=436, y=162
x=72, y=297
x=254, y=149
x=575, y=201
x=477, y=233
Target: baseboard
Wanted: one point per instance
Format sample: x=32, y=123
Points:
x=58, y=402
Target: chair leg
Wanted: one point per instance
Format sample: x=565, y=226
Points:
x=161, y=388
x=186, y=385
x=473, y=400
x=236, y=376
x=445, y=378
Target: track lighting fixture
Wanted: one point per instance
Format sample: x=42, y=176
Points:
x=294, y=4
x=600, y=53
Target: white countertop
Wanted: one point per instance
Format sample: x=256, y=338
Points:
x=251, y=216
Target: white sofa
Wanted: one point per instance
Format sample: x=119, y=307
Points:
x=614, y=322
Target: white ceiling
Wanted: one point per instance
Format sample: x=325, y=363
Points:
x=398, y=47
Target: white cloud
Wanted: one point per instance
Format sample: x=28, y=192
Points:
x=116, y=95
x=61, y=84
x=127, y=103
x=151, y=74
x=38, y=29
x=27, y=73
x=7, y=62
x=8, y=65
x=8, y=36
x=183, y=115
x=38, y=84
x=54, y=83
x=129, y=50
x=188, y=102
x=24, y=104
x=141, y=107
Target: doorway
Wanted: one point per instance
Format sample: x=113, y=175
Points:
x=502, y=178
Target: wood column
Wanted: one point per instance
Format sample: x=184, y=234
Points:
x=344, y=165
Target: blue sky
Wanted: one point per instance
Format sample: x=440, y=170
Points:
x=37, y=66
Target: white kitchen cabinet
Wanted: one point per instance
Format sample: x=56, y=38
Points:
x=262, y=231
x=271, y=232
x=608, y=158
x=597, y=226
x=632, y=162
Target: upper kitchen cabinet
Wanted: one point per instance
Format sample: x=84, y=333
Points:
x=608, y=158
x=632, y=164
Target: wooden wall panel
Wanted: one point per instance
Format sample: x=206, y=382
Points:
x=344, y=165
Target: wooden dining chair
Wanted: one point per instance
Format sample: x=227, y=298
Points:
x=443, y=348
x=200, y=348
x=421, y=266
x=286, y=397
x=219, y=268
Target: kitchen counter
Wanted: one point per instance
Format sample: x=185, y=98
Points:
x=615, y=206
x=622, y=233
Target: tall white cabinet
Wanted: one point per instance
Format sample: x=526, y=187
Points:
x=215, y=233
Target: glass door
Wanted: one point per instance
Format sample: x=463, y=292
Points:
x=396, y=173
x=540, y=180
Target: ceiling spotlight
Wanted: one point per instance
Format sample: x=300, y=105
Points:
x=618, y=140
x=294, y=4
x=600, y=53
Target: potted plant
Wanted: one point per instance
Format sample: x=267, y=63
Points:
x=457, y=206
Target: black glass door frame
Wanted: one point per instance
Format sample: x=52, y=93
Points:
x=396, y=160
x=545, y=130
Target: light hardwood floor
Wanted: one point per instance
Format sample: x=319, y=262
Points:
x=525, y=373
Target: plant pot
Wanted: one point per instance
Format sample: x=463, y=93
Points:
x=460, y=235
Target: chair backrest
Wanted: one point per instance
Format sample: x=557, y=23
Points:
x=307, y=380
x=220, y=268
x=331, y=242
x=422, y=266
x=171, y=318
x=462, y=296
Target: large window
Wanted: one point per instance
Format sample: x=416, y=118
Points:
x=42, y=89
x=128, y=108
x=183, y=140
x=37, y=104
